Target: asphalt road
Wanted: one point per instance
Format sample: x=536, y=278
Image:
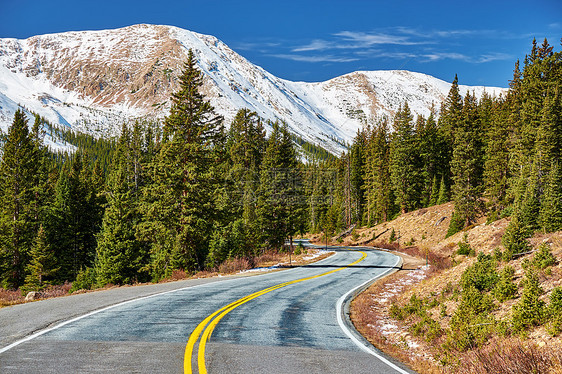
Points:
x=293, y=323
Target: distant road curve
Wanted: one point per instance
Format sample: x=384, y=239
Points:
x=291, y=321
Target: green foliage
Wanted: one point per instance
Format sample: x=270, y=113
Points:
x=18, y=215
x=482, y=275
x=392, y=237
x=530, y=311
x=555, y=311
x=456, y=224
x=550, y=215
x=464, y=248
x=228, y=242
x=470, y=331
x=543, y=258
x=85, y=280
x=405, y=163
x=498, y=254
x=427, y=327
x=505, y=289
x=42, y=266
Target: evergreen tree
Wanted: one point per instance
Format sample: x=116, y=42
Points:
x=466, y=168
x=178, y=204
x=379, y=197
x=405, y=170
x=119, y=255
x=18, y=206
x=42, y=266
x=550, y=215
x=496, y=167
x=279, y=199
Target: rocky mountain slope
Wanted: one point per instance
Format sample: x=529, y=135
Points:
x=92, y=81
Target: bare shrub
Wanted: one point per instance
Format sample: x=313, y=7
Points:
x=55, y=290
x=436, y=261
x=178, y=274
x=235, y=265
x=268, y=258
x=10, y=297
x=510, y=356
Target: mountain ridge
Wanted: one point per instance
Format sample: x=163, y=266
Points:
x=92, y=81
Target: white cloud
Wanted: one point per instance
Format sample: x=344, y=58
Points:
x=319, y=58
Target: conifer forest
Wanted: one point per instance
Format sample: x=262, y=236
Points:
x=188, y=194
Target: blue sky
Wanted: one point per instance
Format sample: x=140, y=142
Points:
x=313, y=40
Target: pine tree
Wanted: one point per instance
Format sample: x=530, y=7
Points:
x=378, y=190
x=119, y=255
x=466, y=167
x=18, y=215
x=279, y=197
x=496, y=167
x=550, y=215
x=42, y=266
x=178, y=204
x=405, y=169
x=443, y=196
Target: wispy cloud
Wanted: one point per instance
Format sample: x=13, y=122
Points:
x=365, y=39
x=317, y=58
x=393, y=43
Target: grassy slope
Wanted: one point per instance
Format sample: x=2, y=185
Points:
x=422, y=233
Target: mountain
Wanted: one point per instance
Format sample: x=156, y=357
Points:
x=92, y=81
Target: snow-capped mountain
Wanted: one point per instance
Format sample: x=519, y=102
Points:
x=92, y=81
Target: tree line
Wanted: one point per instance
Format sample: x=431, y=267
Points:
x=189, y=194
x=496, y=156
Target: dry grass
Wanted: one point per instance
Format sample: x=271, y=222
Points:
x=235, y=265
x=12, y=297
x=509, y=356
x=370, y=315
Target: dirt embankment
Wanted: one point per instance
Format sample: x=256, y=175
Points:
x=419, y=236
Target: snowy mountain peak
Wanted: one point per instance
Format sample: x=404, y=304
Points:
x=92, y=81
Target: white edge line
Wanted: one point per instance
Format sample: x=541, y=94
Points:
x=347, y=331
x=42, y=332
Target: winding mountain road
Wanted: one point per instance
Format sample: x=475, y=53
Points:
x=291, y=321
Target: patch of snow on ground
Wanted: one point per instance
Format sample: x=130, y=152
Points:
x=316, y=254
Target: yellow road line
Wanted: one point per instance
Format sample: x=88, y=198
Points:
x=209, y=323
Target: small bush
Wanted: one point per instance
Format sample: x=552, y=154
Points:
x=464, y=248
x=456, y=224
x=428, y=328
x=555, y=311
x=469, y=332
x=235, y=265
x=530, y=311
x=392, y=237
x=396, y=312
x=443, y=311
x=505, y=289
x=498, y=254
x=85, y=280
x=482, y=274
x=543, y=258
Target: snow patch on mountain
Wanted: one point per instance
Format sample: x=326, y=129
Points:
x=93, y=81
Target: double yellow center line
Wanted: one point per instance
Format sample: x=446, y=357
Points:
x=206, y=327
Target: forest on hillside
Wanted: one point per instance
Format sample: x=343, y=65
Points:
x=189, y=195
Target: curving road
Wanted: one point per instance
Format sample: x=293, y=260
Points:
x=290, y=321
